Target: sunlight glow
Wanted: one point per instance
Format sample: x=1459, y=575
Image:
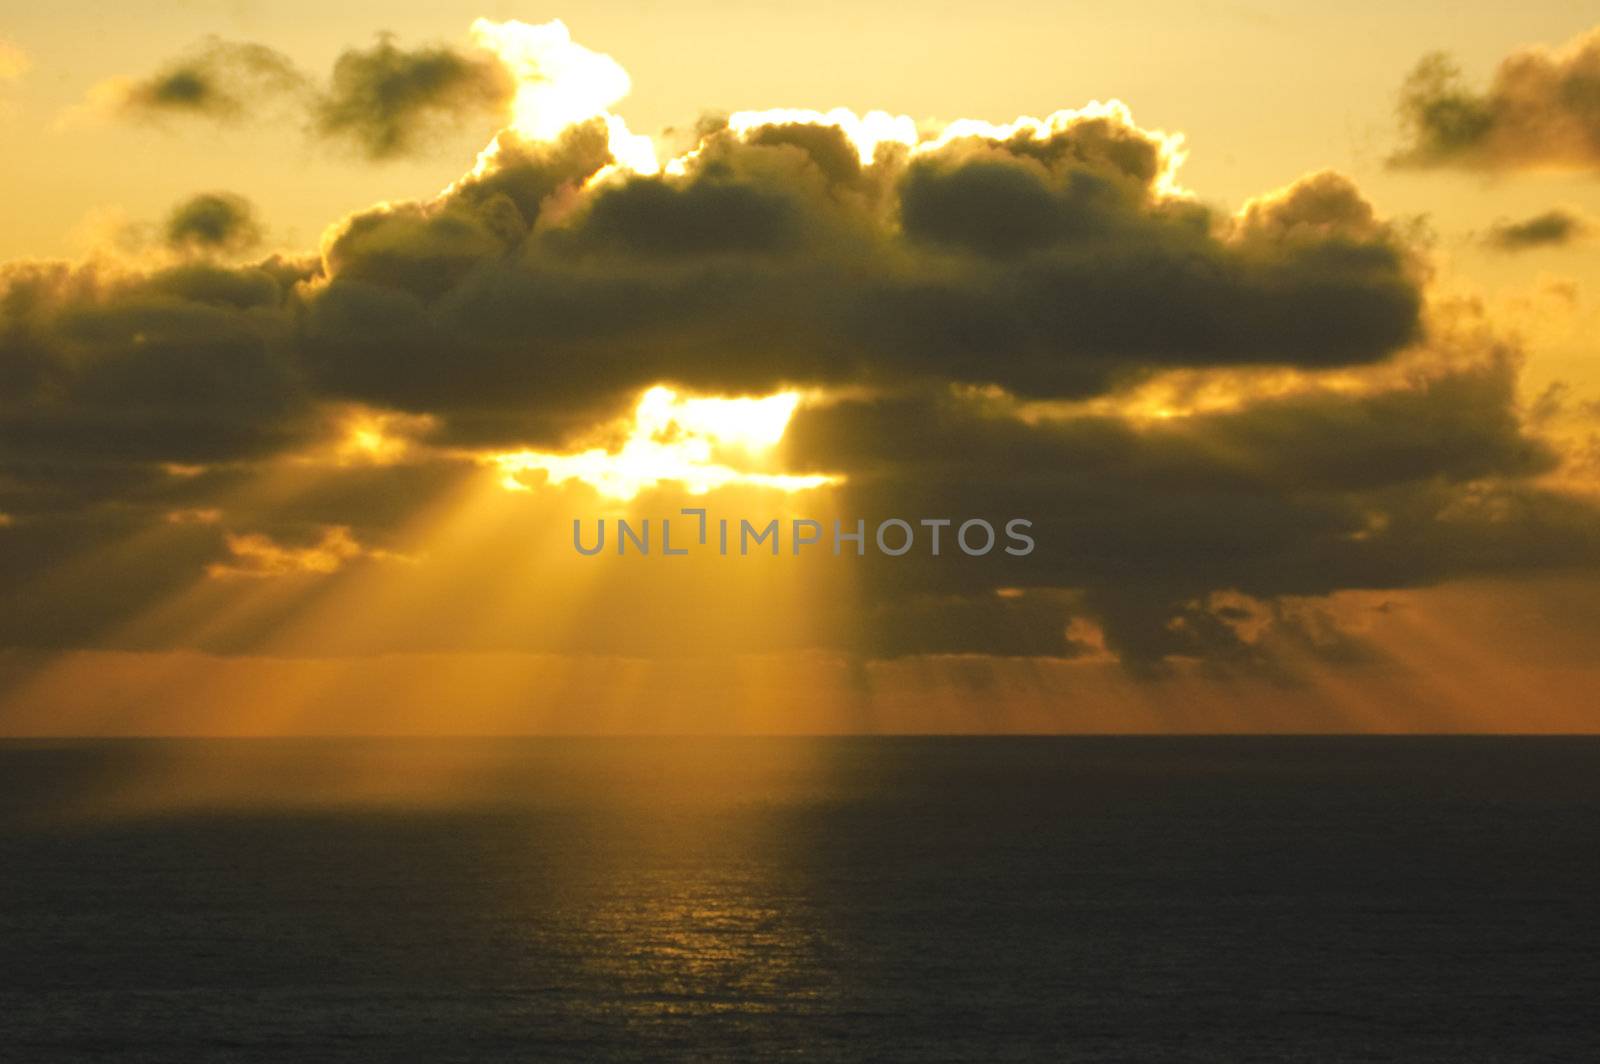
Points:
x=378, y=437
x=700, y=443
x=258, y=555
x=875, y=128
x=1172, y=150
x=866, y=131
x=560, y=84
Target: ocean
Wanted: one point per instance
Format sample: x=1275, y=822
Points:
x=874, y=899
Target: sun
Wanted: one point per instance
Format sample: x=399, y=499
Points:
x=697, y=442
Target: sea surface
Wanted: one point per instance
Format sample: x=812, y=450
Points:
x=906, y=899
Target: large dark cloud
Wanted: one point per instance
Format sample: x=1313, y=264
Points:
x=995, y=298
x=1402, y=486
x=188, y=364
x=1049, y=266
x=1541, y=109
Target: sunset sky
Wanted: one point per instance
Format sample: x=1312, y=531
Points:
x=320, y=325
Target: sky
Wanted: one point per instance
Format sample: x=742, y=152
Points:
x=321, y=326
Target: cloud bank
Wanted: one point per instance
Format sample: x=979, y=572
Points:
x=981, y=314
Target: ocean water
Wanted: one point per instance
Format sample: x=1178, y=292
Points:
x=1141, y=900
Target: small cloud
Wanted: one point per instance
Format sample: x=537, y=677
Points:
x=207, y=515
x=1562, y=289
x=1540, y=111
x=258, y=555
x=213, y=222
x=1557, y=227
x=223, y=81
x=386, y=99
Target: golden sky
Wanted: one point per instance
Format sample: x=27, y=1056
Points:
x=320, y=328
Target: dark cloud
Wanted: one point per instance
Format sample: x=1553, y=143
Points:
x=219, y=80
x=1299, y=496
x=1541, y=109
x=213, y=221
x=1051, y=264
x=1553, y=228
x=189, y=364
x=387, y=99
x=1050, y=268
